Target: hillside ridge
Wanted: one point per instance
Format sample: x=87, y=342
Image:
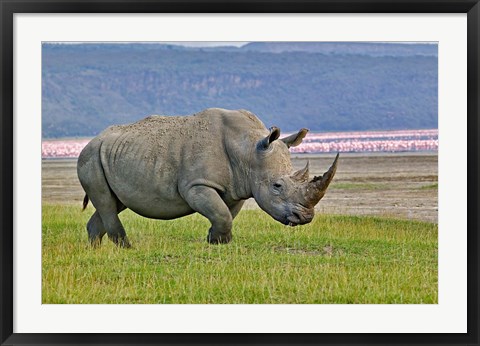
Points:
x=87, y=87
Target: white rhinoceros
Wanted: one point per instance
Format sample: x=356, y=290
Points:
x=165, y=167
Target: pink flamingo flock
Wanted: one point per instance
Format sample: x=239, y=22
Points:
x=367, y=141
x=370, y=141
x=63, y=148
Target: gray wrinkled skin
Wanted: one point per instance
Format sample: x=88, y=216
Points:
x=210, y=163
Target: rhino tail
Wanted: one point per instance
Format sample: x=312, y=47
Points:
x=85, y=202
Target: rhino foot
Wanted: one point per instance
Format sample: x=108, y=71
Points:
x=122, y=242
x=222, y=238
x=96, y=242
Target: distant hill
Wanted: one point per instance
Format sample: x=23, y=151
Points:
x=345, y=48
x=322, y=86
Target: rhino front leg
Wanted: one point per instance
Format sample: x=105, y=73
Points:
x=235, y=209
x=206, y=201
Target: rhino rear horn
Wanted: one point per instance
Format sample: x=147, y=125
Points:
x=317, y=187
x=302, y=175
x=264, y=143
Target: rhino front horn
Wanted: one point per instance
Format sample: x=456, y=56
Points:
x=317, y=187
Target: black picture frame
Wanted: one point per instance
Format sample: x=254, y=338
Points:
x=9, y=7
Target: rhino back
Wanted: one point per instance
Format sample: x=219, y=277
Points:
x=150, y=164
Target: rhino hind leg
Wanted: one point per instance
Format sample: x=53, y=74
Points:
x=113, y=227
x=105, y=220
x=108, y=206
x=206, y=201
x=95, y=228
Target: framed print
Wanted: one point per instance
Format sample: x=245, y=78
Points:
x=333, y=146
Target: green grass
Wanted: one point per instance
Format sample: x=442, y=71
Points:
x=334, y=259
x=429, y=187
x=359, y=186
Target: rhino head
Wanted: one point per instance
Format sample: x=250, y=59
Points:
x=289, y=197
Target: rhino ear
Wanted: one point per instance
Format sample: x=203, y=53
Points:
x=264, y=143
x=295, y=139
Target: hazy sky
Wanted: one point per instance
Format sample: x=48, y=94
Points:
x=180, y=43
x=207, y=44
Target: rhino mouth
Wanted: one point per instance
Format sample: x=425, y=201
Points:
x=292, y=220
x=297, y=217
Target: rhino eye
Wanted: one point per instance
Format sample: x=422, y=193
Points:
x=277, y=185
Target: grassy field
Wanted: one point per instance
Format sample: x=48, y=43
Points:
x=334, y=259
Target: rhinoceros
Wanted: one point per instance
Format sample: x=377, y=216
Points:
x=166, y=167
